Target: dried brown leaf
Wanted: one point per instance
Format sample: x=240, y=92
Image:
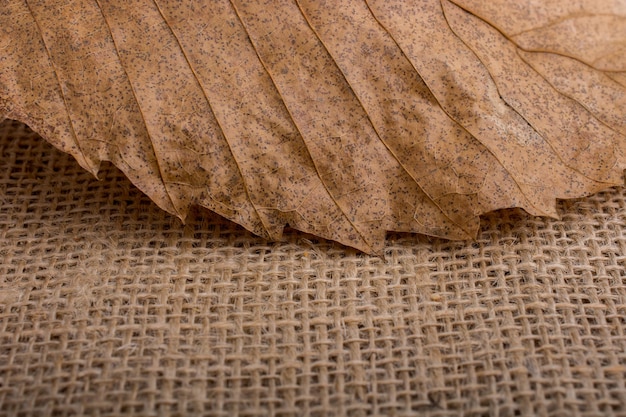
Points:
x=345, y=119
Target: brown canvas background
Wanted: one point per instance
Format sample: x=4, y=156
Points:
x=109, y=306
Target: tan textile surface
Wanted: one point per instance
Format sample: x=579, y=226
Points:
x=109, y=306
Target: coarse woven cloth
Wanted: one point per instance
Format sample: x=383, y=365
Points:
x=109, y=306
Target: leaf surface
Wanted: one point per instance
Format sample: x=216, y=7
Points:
x=344, y=119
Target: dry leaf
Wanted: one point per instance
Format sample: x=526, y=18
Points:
x=343, y=118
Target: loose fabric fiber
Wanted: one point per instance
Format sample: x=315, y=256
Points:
x=111, y=307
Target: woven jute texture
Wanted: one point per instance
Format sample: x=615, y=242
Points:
x=109, y=306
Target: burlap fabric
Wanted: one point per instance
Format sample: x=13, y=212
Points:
x=109, y=306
